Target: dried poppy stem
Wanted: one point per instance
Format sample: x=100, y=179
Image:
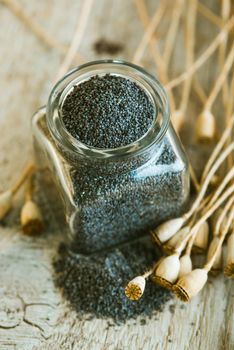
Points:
x=75, y=43
x=169, y=228
x=159, y=62
x=220, y=80
x=153, y=24
x=6, y=199
x=226, y=6
x=210, y=15
x=209, y=176
x=204, y=57
x=156, y=55
x=199, y=90
x=229, y=110
x=30, y=189
x=222, y=216
x=226, y=180
x=172, y=31
x=205, y=124
x=194, y=178
x=26, y=173
x=178, y=116
x=145, y=20
x=189, y=247
x=218, y=263
x=225, y=229
x=218, y=148
x=219, y=202
x=201, y=238
x=191, y=240
x=230, y=98
x=171, y=245
x=48, y=40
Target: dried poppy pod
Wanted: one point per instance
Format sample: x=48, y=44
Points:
x=185, y=265
x=202, y=238
x=6, y=199
x=215, y=180
x=170, y=246
x=217, y=265
x=167, y=271
x=166, y=230
x=190, y=285
x=229, y=268
x=177, y=119
x=205, y=126
x=31, y=218
x=135, y=288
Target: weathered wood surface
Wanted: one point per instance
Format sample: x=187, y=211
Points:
x=33, y=314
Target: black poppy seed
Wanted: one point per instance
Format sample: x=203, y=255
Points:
x=107, y=112
x=122, y=201
x=95, y=284
x=119, y=207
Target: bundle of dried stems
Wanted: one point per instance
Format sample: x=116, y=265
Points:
x=183, y=237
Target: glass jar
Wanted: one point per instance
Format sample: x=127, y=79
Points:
x=112, y=196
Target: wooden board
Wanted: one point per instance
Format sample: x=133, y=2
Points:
x=33, y=314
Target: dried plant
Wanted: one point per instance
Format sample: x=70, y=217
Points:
x=152, y=43
x=204, y=57
x=6, y=198
x=179, y=116
x=31, y=217
x=167, y=271
x=205, y=126
x=210, y=15
x=217, y=266
x=153, y=24
x=172, y=31
x=192, y=283
x=135, y=288
x=77, y=38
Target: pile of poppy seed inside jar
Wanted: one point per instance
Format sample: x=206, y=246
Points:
x=106, y=112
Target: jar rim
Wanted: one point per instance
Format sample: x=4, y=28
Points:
x=130, y=71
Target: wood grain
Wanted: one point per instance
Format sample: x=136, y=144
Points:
x=33, y=314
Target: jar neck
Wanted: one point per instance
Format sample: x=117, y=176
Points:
x=76, y=151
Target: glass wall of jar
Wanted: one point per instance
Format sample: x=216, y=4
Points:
x=111, y=196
